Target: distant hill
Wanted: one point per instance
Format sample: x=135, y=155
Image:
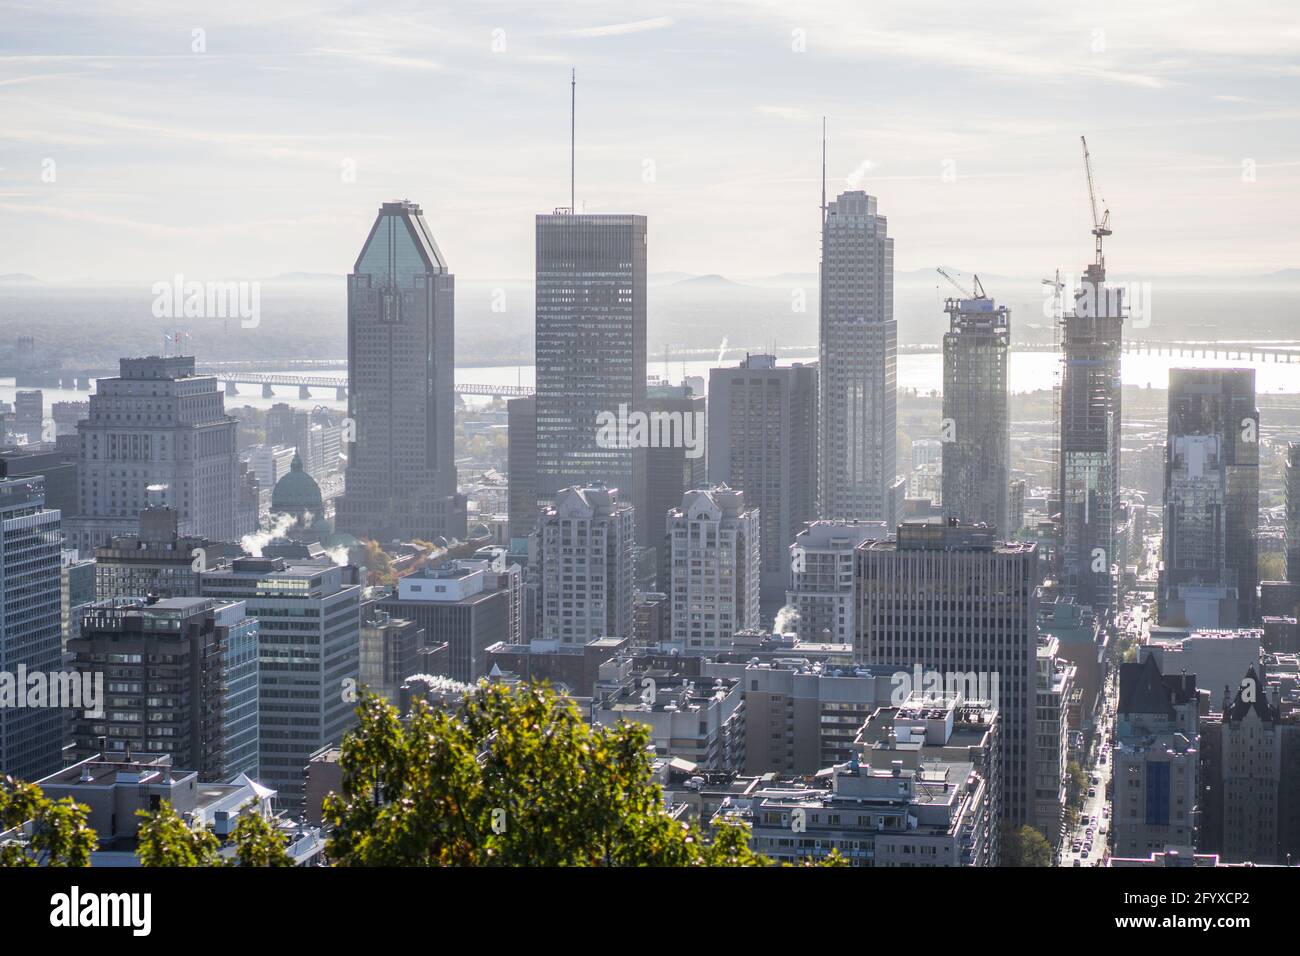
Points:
x=712, y=281
x=18, y=278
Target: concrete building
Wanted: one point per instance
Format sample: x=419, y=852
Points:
x=31, y=627
x=401, y=474
x=460, y=603
x=76, y=591
x=1257, y=769
x=1209, y=571
x=1217, y=659
x=1291, y=486
x=156, y=423
x=958, y=606
x=713, y=541
x=801, y=715
x=976, y=426
x=570, y=668
x=154, y=560
x=308, y=651
x=913, y=798
x=820, y=592
x=590, y=354
x=858, y=342
x=1156, y=761
x=390, y=650
x=763, y=441
x=182, y=680
x=586, y=543
x=57, y=468
x=698, y=720
x=1052, y=737
x=673, y=467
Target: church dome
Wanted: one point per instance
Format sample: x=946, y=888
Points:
x=297, y=492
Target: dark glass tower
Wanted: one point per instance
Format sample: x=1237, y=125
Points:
x=401, y=476
x=976, y=430
x=1209, y=572
x=590, y=353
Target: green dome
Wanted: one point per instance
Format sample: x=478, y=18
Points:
x=297, y=492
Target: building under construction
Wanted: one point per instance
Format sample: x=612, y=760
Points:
x=1090, y=429
x=976, y=428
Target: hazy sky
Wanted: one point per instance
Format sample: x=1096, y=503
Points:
x=705, y=116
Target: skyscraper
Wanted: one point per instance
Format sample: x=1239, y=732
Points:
x=858, y=342
x=586, y=542
x=956, y=604
x=714, y=544
x=976, y=427
x=1292, y=488
x=1090, y=432
x=590, y=353
x=31, y=631
x=1209, y=572
x=157, y=423
x=672, y=469
x=401, y=476
x=763, y=441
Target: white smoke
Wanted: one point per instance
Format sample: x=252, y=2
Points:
x=338, y=554
x=722, y=350
x=856, y=178
x=255, y=542
x=786, y=619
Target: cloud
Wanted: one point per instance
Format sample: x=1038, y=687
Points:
x=619, y=29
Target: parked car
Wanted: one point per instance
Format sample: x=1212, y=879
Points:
x=1092, y=791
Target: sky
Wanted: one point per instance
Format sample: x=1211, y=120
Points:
x=248, y=138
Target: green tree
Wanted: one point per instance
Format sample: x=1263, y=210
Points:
x=60, y=833
x=258, y=843
x=1025, y=846
x=515, y=778
x=165, y=839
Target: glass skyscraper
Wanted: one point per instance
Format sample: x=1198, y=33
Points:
x=590, y=353
x=401, y=475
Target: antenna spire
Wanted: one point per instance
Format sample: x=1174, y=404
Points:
x=573, y=127
x=823, y=171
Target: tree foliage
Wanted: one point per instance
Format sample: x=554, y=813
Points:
x=165, y=839
x=60, y=833
x=1025, y=846
x=258, y=843
x=515, y=778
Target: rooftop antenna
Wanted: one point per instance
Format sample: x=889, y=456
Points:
x=823, y=171
x=573, y=127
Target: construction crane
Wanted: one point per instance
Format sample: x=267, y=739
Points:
x=1057, y=285
x=979, y=289
x=1100, y=225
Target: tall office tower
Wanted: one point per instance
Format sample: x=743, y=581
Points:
x=521, y=465
x=1056, y=677
x=960, y=606
x=714, y=542
x=29, y=414
x=1156, y=758
x=673, y=467
x=821, y=578
x=309, y=646
x=401, y=476
x=31, y=629
x=1293, y=512
x=586, y=543
x=156, y=561
x=976, y=426
x=1209, y=573
x=858, y=350
x=157, y=423
x=590, y=354
x=183, y=680
x=1089, y=442
x=763, y=441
